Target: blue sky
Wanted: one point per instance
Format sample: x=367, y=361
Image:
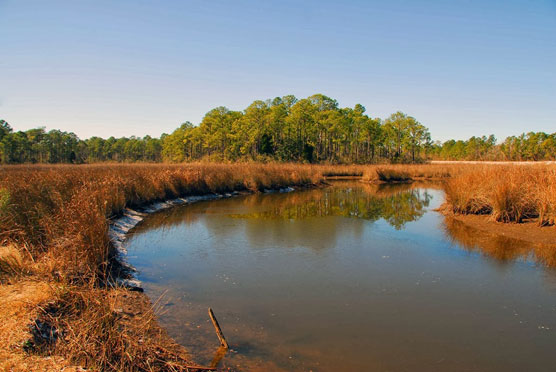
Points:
x=124, y=68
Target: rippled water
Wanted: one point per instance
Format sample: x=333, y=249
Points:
x=352, y=276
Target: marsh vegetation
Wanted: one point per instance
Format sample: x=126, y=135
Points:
x=54, y=221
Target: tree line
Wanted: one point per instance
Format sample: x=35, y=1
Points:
x=313, y=129
x=532, y=146
x=55, y=146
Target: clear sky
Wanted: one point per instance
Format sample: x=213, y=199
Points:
x=122, y=68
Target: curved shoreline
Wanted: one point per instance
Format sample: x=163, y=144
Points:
x=137, y=302
x=120, y=227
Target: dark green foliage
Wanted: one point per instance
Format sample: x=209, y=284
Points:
x=308, y=152
x=5, y=129
x=267, y=146
x=39, y=146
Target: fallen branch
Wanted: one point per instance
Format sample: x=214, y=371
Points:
x=219, y=333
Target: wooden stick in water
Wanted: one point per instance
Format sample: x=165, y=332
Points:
x=219, y=333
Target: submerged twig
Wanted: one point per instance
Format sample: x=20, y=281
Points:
x=219, y=333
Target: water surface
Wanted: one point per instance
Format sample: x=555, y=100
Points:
x=352, y=276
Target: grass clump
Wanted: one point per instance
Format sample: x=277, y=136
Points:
x=545, y=197
x=92, y=328
x=507, y=193
x=413, y=171
x=12, y=265
x=393, y=175
x=464, y=199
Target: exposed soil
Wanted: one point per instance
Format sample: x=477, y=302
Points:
x=528, y=231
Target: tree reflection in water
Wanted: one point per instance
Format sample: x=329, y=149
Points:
x=396, y=204
x=266, y=218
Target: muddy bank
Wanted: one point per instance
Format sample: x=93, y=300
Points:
x=528, y=231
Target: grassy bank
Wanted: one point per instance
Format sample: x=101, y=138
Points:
x=506, y=193
x=410, y=172
x=53, y=227
x=390, y=172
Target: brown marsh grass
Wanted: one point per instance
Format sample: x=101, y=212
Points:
x=369, y=172
x=509, y=193
x=393, y=175
x=408, y=172
x=11, y=264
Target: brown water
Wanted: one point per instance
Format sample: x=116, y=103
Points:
x=351, y=277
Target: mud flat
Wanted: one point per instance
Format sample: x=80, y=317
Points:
x=528, y=231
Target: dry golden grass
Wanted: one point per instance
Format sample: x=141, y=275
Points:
x=334, y=170
x=101, y=334
x=509, y=193
x=20, y=304
x=393, y=175
x=545, y=196
x=373, y=173
x=11, y=264
x=369, y=172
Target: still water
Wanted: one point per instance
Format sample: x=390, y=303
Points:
x=349, y=277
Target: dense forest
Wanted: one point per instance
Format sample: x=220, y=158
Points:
x=313, y=129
